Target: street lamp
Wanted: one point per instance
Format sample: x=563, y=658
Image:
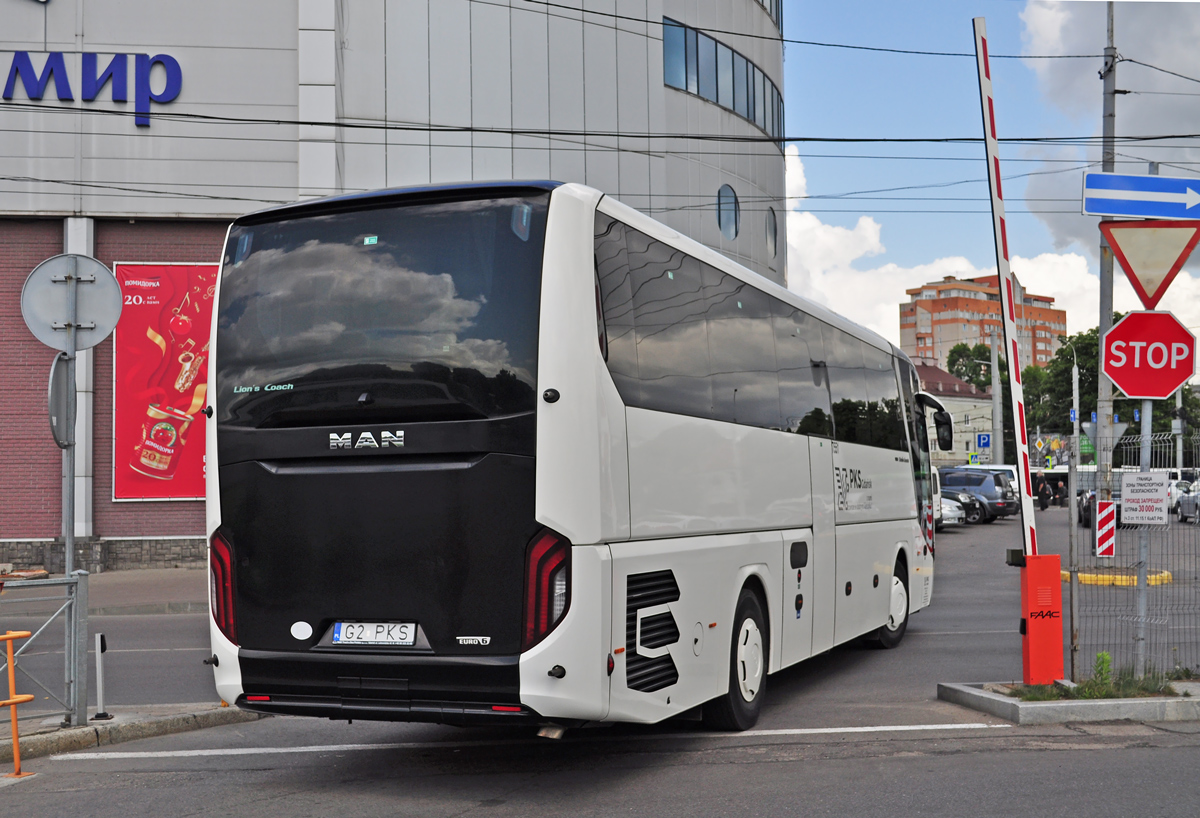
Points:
x=1072, y=490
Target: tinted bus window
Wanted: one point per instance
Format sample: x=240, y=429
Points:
x=670, y=327
x=407, y=313
x=741, y=346
x=616, y=303
x=848, y=387
x=803, y=383
x=883, y=392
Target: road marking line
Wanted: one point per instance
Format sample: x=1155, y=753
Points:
x=438, y=745
x=956, y=633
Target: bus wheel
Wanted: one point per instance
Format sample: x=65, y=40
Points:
x=738, y=709
x=892, y=631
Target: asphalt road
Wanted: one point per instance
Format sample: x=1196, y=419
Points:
x=826, y=744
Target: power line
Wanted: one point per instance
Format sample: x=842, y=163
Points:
x=1156, y=68
x=631, y=19
x=179, y=116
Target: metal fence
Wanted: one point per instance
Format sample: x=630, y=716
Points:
x=1142, y=605
x=61, y=607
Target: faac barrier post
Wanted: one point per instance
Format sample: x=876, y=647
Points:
x=1041, y=606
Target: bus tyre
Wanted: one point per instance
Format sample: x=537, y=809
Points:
x=739, y=708
x=892, y=631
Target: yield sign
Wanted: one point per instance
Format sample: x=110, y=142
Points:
x=1151, y=253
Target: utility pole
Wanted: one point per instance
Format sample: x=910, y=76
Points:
x=1104, y=403
x=1072, y=532
x=997, y=404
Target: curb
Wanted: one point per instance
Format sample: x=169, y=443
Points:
x=1128, y=580
x=1069, y=710
x=80, y=738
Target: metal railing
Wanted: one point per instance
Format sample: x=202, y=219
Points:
x=68, y=597
x=1141, y=605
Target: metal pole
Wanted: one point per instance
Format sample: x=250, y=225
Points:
x=1177, y=427
x=101, y=647
x=1104, y=403
x=997, y=403
x=68, y=511
x=77, y=657
x=1143, y=592
x=1073, y=536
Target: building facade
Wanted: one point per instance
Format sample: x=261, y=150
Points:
x=953, y=311
x=970, y=407
x=134, y=132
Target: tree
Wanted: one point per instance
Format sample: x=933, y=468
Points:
x=1048, y=396
x=971, y=364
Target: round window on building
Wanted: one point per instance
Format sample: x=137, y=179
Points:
x=729, y=215
x=772, y=233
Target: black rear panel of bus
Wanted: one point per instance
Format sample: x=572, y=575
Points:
x=375, y=378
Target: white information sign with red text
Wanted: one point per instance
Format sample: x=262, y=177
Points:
x=1144, y=498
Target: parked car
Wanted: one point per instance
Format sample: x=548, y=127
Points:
x=1188, y=505
x=992, y=490
x=952, y=513
x=1175, y=490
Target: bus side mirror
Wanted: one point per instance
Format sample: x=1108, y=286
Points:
x=945, y=430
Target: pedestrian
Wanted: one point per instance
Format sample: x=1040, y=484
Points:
x=1060, y=494
x=1041, y=490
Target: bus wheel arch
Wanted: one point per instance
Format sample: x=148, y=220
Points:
x=749, y=651
x=892, y=631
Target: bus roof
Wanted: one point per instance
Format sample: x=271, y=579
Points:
x=394, y=195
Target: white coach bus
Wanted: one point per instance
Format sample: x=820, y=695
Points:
x=518, y=453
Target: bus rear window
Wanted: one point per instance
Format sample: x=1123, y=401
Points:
x=420, y=312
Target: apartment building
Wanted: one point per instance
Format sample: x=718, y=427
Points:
x=953, y=311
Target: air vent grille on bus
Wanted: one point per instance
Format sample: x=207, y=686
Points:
x=648, y=590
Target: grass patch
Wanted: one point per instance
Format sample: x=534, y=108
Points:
x=1104, y=684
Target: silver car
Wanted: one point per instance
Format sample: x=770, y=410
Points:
x=952, y=513
x=1187, y=506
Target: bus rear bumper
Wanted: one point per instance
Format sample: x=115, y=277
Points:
x=456, y=713
x=385, y=687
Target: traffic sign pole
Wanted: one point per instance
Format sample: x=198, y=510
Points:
x=1042, y=643
x=68, y=492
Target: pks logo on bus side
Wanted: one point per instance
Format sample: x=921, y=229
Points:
x=366, y=440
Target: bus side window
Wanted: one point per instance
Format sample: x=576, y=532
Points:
x=670, y=327
x=803, y=383
x=848, y=384
x=745, y=387
x=616, y=300
x=883, y=392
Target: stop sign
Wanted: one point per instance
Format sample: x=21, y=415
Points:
x=1149, y=355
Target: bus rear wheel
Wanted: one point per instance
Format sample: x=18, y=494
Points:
x=738, y=709
x=892, y=631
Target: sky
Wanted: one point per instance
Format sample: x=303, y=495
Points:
x=869, y=220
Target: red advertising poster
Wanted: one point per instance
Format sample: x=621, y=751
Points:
x=160, y=372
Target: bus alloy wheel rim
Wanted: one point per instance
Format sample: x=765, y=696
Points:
x=749, y=659
x=899, y=604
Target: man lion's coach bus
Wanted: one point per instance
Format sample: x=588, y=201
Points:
x=517, y=453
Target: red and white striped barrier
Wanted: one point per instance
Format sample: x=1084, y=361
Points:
x=1008, y=308
x=1106, y=528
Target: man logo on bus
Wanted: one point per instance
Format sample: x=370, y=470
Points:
x=366, y=440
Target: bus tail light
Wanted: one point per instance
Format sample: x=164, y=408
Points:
x=220, y=565
x=547, y=586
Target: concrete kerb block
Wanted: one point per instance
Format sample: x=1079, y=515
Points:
x=1064, y=711
x=115, y=732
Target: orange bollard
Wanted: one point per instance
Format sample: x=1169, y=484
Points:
x=13, y=700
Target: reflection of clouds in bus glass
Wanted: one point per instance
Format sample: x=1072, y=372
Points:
x=364, y=304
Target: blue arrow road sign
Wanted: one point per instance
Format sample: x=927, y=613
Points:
x=1093, y=417
x=1147, y=197
x=983, y=441
x=1072, y=415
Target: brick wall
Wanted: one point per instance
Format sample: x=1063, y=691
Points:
x=30, y=463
